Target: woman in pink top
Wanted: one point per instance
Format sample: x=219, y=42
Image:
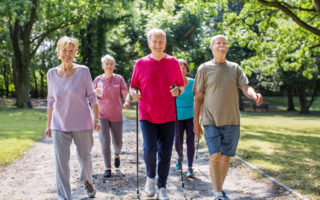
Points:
x=69, y=118
x=110, y=88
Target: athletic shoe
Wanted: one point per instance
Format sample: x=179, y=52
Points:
x=178, y=165
x=90, y=189
x=149, y=188
x=218, y=198
x=107, y=173
x=190, y=173
x=117, y=162
x=162, y=194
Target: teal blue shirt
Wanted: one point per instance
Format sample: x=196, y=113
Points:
x=185, y=102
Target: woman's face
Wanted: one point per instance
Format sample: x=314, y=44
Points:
x=67, y=54
x=184, y=69
x=108, y=65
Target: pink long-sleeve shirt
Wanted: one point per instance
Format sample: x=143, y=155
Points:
x=154, y=79
x=69, y=98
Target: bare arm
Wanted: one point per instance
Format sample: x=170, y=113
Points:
x=96, y=122
x=198, y=100
x=125, y=94
x=49, y=118
x=250, y=93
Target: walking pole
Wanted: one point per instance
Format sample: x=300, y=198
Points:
x=197, y=148
x=137, y=144
x=179, y=137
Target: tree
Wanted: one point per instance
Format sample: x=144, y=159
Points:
x=279, y=45
x=30, y=22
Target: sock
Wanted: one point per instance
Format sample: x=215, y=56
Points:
x=218, y=194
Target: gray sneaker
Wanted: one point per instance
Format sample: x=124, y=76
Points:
x=218, y=198
x=162, y=194
x=90, y=189
x=149, y=188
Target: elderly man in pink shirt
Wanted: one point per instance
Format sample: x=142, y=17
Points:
x=69, y=117
x=154, y=75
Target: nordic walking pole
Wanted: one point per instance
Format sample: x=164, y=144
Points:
x=137, y=143
x=197, y=148
x=179, y=137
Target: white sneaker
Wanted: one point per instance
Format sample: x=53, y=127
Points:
x=149, y=188
x=162, y=194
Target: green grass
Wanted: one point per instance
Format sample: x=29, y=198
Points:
x=284, y=146
x=19, y=129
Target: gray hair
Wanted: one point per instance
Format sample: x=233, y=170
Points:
x=155, y=30
x=184, y=62
x=214, y=38
x=107, y=57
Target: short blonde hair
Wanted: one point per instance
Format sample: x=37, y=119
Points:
x=155, y=30
x=214, y=38
x=184, y=62
x=107, y=57
x=65, y=41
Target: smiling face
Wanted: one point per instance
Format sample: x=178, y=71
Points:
x=108, y=66
x=67, y=53
x=157, y=43
x=220, y=47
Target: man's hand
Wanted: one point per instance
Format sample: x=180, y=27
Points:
x=197, y=129
x=258, y=99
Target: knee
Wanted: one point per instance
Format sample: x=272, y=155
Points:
x=225, y=158
x=216, y=158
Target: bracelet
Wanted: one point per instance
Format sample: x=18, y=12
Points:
x=97, y=120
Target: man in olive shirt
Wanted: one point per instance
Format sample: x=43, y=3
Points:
x=216, y=92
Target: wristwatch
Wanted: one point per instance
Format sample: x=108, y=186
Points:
x=179, y=91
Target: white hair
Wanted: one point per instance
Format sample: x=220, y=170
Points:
x=107, y=57
x=214, y=38
x=154, y=31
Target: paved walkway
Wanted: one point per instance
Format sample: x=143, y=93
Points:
x=33, y=176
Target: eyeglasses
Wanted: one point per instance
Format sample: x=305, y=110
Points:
x=221, y=43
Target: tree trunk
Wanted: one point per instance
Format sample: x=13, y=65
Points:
x=290, y=99
x=21, y=77
x=304, y=109
x=42, y=90
x=6, y=79
x=36, y=92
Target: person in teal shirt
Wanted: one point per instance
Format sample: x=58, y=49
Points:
x=185, y=104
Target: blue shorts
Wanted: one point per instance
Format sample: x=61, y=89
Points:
x=222, y=139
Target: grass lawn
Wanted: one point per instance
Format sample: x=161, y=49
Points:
x=19, y=129
x=285, y=145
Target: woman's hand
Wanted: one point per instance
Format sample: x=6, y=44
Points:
x=126, y=105
x=96, y=125
x=48, y=132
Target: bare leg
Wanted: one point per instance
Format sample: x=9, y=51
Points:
x=219, y=166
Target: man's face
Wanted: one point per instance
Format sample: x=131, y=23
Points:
x=157, y=43
x=220, y=47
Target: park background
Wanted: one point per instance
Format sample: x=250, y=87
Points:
x=277, y=44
